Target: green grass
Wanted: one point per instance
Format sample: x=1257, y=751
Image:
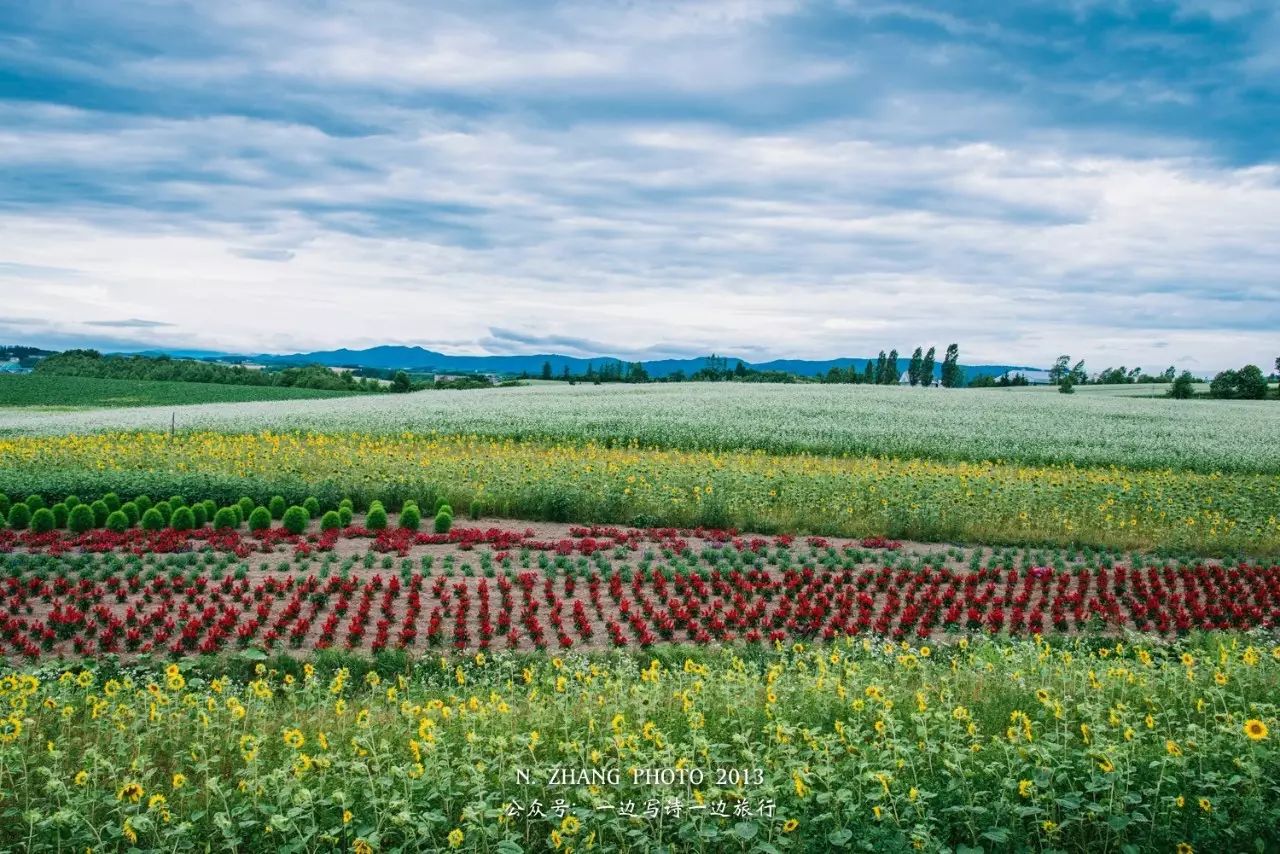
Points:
x=62, y=394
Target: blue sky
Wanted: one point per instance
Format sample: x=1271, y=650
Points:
x=765, y=178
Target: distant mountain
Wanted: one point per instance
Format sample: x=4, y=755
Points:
x=419, y=358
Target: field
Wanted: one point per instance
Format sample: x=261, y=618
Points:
x=705, y=618
x=54, y=393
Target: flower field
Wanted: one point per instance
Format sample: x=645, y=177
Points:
x=673, y=622
x=846, y=496
x=988, y=745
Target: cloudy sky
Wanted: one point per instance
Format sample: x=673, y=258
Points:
x=646, y=179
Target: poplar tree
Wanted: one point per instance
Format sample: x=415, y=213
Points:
x=917, y=364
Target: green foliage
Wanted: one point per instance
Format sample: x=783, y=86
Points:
x=376, y=520
x=312, y=506
x=176, y=501
x=344, y=515
x=142, y=502
x=81, y=519
x=260, y=519
x=5, y=505
x=71, y=501
x=410, y=517
x=246, y=505
x=34, y=502
x=1183, y=387
x=100, y=513
x=117, y=522
x=164, y=509
x=60, y=512
x=183, y=519
x=296, y=519
x=199, y=515
x=226, y=519
x=152, y=519
x=443, y=523
x=112, y=501
x=476, y=510
x=131, y=512
x=277, y=507
x=330, y=521
x=43, y=521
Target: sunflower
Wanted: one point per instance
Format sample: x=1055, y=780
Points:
x=132, y=791
x=790, y=825
x=455, y=837
x=1255, y=729
x=1185, y=848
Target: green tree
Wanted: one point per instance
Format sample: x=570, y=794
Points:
x=951, y=374
x=916, y=366
x=1061, y=368
x=1251, y=383
x=400, y=382
x=926, y=367
x=1182, y=386
x=546, y=370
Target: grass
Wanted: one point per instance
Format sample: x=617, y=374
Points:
x=54, y=394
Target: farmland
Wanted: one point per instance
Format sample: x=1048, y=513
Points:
x=871, y=619
x=52, y=392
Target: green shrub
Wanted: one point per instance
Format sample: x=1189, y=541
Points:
x=277, y=507
x=100, y=513
x=176, y=501
x=377, y=518
x=132, y=512
x=441, y=501
x=344, y=516
x=445, y=509
x=443, y=522
x=42, y=521
x=259, y=519
x=199, y=515
x=5, y=505
x=330, y=521
x=477, y=508
x=118, y=522
x=296, y=519
x=182, y=519
x=235, y=510
x=142, y=502
x=80, y=519
x=112, y=501
x=410, y=517
x=71, y=501
x=246, y=506
x=225, y=520
x=152, y=519
x=312, y=506
x=347, y=503
x=60, y=512
x=210, y=507
x=34, y=502
x=165, y=509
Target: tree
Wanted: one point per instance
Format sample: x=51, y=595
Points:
x=1224, y=385
x=739, y=370
x=869, y=371
x=881, y=361
x=546, y=370
x=565, y=373
x=400, y=382
x=1066, y=386
x=1060, y=369
x=951, y=375
x=1251, y=383
x=1181, y=388
x=917, y=364
x=1078, y=374
x=891, y=369
x=926, y=367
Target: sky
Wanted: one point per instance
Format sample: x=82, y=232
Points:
x=646, y=179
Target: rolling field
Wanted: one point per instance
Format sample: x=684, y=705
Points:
x=292, y=645
x=53, y=393
x=1034, y=426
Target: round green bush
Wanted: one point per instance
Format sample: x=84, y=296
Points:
x=118, y=522
x=225, y=520
x=60, y=512
x=42, y=521
x=344, y=516
x=235, y=509
x=152, y=519
x=143, y=503
x=330, y=521
x=131, y=512
x=441, y=502
x=112, y=501
x=5, y=505
x=443, y=522
x=246, y=506
x=80, y=519
x=165, y=509
x=445, y=509
x=200, y=514
x=347, y=503
x=182, y=519
x=377, y=518
x=410, y=517
x=100, y=513
x=176, y=501
x=34, y=502
x=296, y=519
x=312, y=506
x=259, y=519
x=210, y=508
x=277, y=507
x=71, y=501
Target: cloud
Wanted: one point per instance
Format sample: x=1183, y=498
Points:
x=130, y=323
x=747, y=176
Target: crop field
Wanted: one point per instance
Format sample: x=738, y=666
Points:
x=690, y=618
x=42, y=392
x=1031, y=426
